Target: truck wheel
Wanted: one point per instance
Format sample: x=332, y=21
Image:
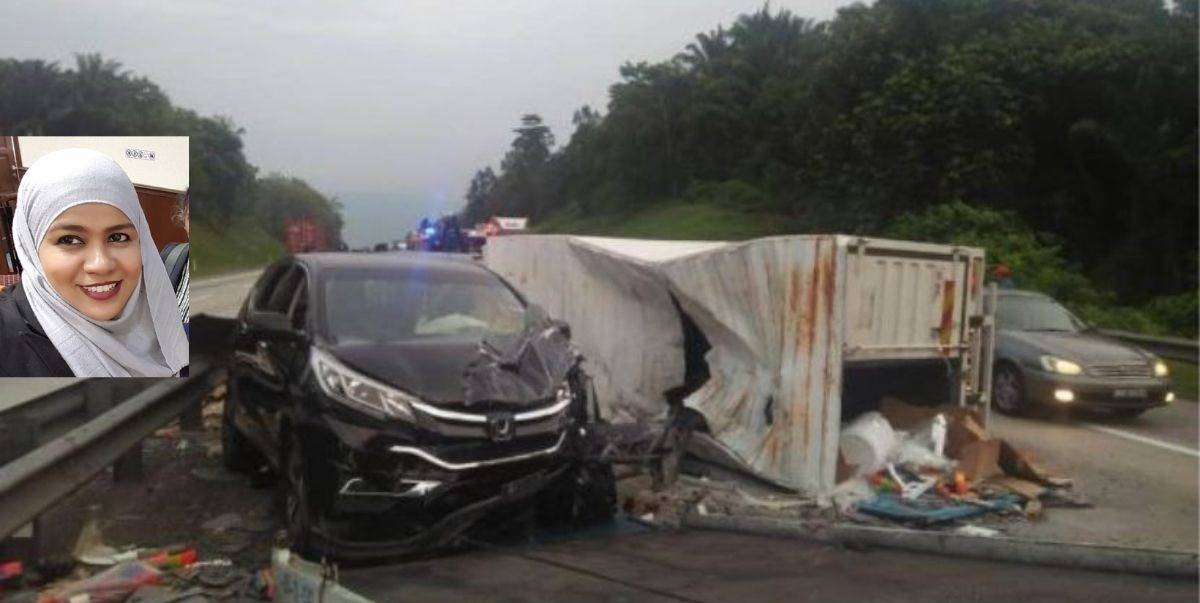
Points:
x=237, y=453
x=1008, y=390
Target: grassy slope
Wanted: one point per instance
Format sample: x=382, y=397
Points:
x=679, y=221
x=240, y=245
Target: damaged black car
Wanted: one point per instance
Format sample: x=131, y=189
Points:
x=402, y=398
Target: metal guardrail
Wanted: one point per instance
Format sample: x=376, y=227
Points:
x=36, y=480
x=1175, y=348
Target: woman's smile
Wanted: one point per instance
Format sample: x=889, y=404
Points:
x=102, y=291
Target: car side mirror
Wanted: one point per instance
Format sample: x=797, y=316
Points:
x=272, y=324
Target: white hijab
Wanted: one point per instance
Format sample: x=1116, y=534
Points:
x=147, y=339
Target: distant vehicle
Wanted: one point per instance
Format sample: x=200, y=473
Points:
x=1046, y=355
x=402, y=397
x=381, y=247
x=443, y=235
x=304, y=235
x=500, y=225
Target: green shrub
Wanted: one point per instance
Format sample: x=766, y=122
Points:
x=733, y=194
x=1177, y=313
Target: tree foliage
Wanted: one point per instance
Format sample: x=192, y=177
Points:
x=1075, y=117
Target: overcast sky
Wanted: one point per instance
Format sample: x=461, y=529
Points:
x=369, y=99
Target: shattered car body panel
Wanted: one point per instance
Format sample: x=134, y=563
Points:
x=421, y=427
x=780, y=318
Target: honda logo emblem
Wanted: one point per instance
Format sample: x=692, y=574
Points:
x=500, y=427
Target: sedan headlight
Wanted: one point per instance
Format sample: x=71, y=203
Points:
x=359, y=391
x=1160, y=369
x=1054, y=364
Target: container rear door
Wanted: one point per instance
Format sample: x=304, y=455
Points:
x=909, y=300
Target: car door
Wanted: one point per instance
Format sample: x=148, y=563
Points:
x=260, y=379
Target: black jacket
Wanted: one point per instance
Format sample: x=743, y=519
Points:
x=25, y=351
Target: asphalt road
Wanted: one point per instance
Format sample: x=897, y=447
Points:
x=221, y=295
x=711, y=566
x=1141, y=475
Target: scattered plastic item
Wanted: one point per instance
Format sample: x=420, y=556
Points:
x=867, y=443
x=849, y=493
x=973, y=530
x=10, y=570
x=701, y=509
x=105, y=556
x=961, y=486
x=300, y=581
x=926, y=510
x=173, y=558
x=109, y=586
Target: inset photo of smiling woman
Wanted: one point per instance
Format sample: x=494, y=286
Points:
x=93, y=256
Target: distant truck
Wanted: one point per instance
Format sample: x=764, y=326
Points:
x=304, y=235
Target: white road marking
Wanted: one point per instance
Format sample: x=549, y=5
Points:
x=1145, y=440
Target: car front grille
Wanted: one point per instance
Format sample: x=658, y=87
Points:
x=1122, y=371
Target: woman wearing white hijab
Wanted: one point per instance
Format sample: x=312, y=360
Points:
x=93, y=284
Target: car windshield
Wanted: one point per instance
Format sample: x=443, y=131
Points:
x=1035, y=314
x=395, y=306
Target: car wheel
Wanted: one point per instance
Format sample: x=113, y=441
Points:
x=297, y=508
x=1008, y=390
x=237, y=453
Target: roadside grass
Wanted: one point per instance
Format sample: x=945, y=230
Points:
x=240, y=245
x=675, y=221
x=1183, y=376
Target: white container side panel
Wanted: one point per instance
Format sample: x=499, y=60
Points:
x=907, y=300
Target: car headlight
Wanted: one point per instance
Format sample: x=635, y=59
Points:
x=1160, y=369
x=359, y=391
x=1054, y=364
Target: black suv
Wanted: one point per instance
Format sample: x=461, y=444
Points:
x=402, y=397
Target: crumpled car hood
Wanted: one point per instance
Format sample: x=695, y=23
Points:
x=520, y=369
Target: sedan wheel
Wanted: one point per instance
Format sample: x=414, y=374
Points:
x=1008, y=393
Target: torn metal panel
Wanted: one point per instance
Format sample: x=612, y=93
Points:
x=775, y=315
x=529, y=367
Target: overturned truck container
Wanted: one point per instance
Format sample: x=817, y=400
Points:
x=774, y=341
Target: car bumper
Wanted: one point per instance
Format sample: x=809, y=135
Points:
x=391, y=488
x=1092, y=392
x=444, y=530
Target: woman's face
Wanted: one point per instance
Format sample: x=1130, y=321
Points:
x=92, y=257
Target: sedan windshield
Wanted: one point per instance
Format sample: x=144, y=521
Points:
x=1035, y=314
x=385, y=307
